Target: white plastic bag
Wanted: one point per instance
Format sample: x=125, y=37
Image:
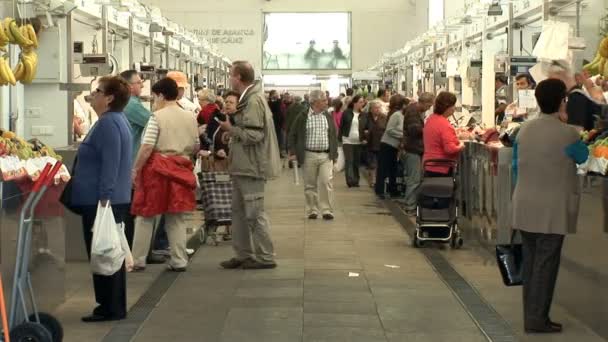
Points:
x=339, y=165
x=129, y=262
x=553, y=41
x=107, y=253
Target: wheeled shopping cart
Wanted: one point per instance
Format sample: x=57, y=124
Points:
x=216, y=199
x=23, y=324
x=437, y=209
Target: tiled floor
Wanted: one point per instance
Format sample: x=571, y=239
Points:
x=354, y=279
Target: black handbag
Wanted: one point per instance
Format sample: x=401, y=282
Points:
x=66, y=195
x=509, y=258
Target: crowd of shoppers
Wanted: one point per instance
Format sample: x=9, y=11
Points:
x=140, y=163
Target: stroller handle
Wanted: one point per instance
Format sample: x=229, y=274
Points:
x=440, y=162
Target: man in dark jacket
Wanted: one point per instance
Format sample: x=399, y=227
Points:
x=313, y=142
x=413, y=147
x=274, y=102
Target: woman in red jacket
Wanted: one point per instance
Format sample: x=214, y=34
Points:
x=440, y=140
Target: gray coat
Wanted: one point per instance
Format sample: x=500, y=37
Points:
x=547, y=193
x=249, y=135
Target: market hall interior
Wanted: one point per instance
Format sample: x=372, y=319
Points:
x=371, y=268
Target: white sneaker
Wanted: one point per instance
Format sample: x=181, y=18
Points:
x=189, y=251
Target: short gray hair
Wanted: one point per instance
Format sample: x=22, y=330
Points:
x=297, y=99
x=206, y=95
x=375, y=103
x=316, y=95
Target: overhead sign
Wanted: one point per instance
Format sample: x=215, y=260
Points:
x=226, y=35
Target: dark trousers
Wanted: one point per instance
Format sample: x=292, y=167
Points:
x=110, y=291
x=541, y=258
x=352, y=162
x=387, y=168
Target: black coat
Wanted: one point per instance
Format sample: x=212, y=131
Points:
x=347, y=121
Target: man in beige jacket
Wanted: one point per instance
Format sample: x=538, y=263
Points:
x=248, y=161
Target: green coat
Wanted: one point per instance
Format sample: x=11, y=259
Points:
x=297, y=137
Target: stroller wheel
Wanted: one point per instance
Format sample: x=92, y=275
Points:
x=456, y=242
x=416, y=242
x=51, y=324
x=30, y=332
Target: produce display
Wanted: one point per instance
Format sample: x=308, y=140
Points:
x=26, y=38
x=20, y=158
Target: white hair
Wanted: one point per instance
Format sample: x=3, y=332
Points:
x=317, y=95
x=375, y=103
x=206, y=95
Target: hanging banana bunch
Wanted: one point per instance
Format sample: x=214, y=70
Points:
x=26, y=38
x=599, y=65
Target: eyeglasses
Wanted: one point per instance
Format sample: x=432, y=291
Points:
x=97, y=91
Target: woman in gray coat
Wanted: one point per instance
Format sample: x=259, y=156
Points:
x=546, y=199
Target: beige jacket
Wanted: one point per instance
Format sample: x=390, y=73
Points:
x=547, y=193
x=177, y=131
x=252, y=120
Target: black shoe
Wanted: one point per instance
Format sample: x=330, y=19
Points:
x=355, y=185
x=313, y=216
x=250, y=264
x=93, y=318
x=547, y=329
x=155, y=259
x=555, y=324
x=231, y=264
x=176, y=269
x=328, y=217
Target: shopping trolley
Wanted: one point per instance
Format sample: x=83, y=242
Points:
x=216, y=198
x=21, y=326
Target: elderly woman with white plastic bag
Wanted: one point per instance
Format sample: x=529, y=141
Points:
x=100, y=191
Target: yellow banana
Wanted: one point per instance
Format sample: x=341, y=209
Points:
x=19, y=37
x=29, y=71
x=6, y=24
x=8, y=72
x=3, y=75
x=591, y=67
x=31, y=34
x=32, y=74
x=3, y=37
x=603, y=49
x=19, y=71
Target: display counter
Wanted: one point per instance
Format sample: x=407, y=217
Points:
x=485, y=215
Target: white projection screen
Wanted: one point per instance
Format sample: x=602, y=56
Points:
x=307, y=41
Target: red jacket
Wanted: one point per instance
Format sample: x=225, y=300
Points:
x=440, y=142
x=166, y=185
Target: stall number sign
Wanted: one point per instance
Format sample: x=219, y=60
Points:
x=225, y=36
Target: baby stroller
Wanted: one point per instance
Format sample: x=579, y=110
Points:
x=437, y=210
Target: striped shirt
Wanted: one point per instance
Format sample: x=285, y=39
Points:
x=150, y=136
x=317, y=138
